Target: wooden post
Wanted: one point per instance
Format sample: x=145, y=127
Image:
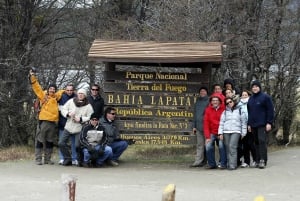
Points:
x=169, y=193
x=68, y=187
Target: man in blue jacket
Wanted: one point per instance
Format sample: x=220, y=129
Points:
x=260, y=119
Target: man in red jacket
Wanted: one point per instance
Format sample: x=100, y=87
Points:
x=211, y=125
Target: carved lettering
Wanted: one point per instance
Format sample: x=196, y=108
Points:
x=139, y=76
x=136, y=87
x=171, y=76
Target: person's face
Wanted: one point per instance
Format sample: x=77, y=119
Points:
x=255, y=89
x=203, y=93
x=94, y=90
x=94, y=121
x=80, y=96
x=218, y=89
x=228, y=86
x=111, y=115
x=228, y=93
x=229, y=103
x=51, y=90
x=215, y=102
x=244, y=95
x=69, y=90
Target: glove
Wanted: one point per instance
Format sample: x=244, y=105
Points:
x=130, y=141
x=101, y=152
x=90, y=148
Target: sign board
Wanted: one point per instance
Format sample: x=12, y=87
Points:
x=154, y=107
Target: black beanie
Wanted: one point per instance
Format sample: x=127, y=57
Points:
x=205, y=88
x=257, y=83
x=94, y=116
x=52, y=85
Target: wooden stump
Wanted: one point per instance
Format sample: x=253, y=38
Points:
x=68, y=187
x=169, y=193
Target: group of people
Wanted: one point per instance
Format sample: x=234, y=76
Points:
x=237, y=123
x=82, y=123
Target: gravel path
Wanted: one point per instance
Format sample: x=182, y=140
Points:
x=280, y=181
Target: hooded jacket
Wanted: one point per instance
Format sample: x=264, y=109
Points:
x=233, y=121
x=212, y=117
x=49, y=105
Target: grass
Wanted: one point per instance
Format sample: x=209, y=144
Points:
x=170, y=154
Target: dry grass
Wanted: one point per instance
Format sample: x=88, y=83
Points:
x=137, y=153
x=15, y=153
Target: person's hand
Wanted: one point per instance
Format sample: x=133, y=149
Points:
x=221, y=137
x=268, y=127
x=207, y=141
x=31, y=72
x=249, y=129
x=101, y=151
x=194, y=130
x=90, y=148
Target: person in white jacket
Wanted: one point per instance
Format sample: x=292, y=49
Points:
x=77, y=110
x=233, y=126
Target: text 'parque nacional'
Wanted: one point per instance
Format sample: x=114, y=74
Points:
x=158, y=76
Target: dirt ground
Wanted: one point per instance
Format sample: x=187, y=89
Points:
x=280, y=181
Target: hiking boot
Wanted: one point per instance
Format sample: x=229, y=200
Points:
x=195, y=164
x=244, y=165
x=208, y=167
x=67, y=162
x=112, y=163
x=261, y=164
x=85, y=165
x=38, y=162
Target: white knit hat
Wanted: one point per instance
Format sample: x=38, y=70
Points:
x=82, y=91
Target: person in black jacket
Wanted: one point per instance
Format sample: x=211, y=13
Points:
x=96, y=100
x=117, y=144
x=93, y=144
x=260, y=119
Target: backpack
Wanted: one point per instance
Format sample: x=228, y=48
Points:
x=38, y=104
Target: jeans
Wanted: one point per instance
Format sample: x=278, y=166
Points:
x=64, y=147
x=106, y=156
x=118, y=147
x=261, y=142
x=231, y=141
x=73, y=146
x=210, y=152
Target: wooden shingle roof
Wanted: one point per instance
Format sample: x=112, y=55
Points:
x=155, y=52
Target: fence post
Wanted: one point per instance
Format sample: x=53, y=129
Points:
x=169, y=193
x=68, y=187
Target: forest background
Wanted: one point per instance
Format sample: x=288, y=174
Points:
x=261, y=41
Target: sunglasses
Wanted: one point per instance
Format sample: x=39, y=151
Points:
x=112, y=113
x=227, y=103
x=95, y=89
